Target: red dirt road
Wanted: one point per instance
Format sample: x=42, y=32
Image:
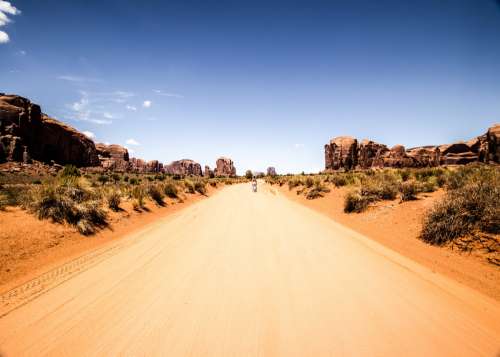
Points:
x=256, y=275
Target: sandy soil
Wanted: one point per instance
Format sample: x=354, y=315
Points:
x=254, y=274
x=397, y=226
x=29, y=246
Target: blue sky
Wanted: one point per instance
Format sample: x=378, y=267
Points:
x=263, y=82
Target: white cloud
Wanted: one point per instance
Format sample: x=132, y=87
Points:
x=108, y=115
x=130, y=151
x=89, y=134
x=107, y=143
x=167, y=94
x=6, y=8
x=21, y=53
x=147, y=104
x=298, y=146
x=131, y=107
x=132, y=142
x=4, y=37
x=81, y=111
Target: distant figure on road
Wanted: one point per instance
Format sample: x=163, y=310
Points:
x=254, y=185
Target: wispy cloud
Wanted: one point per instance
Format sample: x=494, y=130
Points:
x=82, y=110
x=132, y=142
x=89, y=134
x=298, y=146
x=147, y=104
x=131, y=107
x=6, y=8
x=167, y=94
x=78, y=79
x=130, y=151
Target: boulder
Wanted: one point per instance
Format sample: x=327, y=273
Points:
x=341, y=152
x=27, y=133
x=184, y=167
x=271, y=171
x=225, y=167
x=113, y=157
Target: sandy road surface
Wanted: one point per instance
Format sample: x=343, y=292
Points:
x=244, y=274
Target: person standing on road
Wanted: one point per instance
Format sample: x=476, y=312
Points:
x=254, y=185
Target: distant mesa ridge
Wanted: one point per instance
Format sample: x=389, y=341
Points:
x=346, y=153
x=27, y=134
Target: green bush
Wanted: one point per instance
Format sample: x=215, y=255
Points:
x=249, y=174
x=133, y=181
x=317, y=191
x=103, y=179
x=70, y=171
x=338, y=180
x=471, y=204
x=383, y=187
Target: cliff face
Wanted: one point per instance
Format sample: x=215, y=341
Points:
x=26, y=133
x=344, y=152
x=225, y=167
x=184, y=167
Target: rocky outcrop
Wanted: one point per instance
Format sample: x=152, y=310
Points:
x=208, y=173
x=26, y=133
x=225, y=167
x=271, y=171
x=184, y=167
x=341, y=152
x=345, y=153
x=113, y=157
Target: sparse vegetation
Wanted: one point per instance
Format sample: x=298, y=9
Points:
x=471, y=205
x=355, y=202
x=156, y=194
x=170, y=190
x=114, y=199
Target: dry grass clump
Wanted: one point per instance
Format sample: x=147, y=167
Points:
x=383, y=186
x=170, y=190
x=354, y=201
x=472, y=204
x=317, y=191
x=408, y=190
x=189, y=185
x=200, y=187
x=156, y=194
x=138, y=194
x=72, y=203
x=113, y=200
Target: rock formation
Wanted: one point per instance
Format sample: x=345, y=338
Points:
x=113, y=157
x=271, y=171
x=341, y=152
x=183, y=167
x=344, y=153
x=225, y=167
x=208, y=173
x=26, y=133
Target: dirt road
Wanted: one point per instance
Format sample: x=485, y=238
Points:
x=244, y=274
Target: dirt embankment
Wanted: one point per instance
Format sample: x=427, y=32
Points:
x=397, y=226
x=29, y=246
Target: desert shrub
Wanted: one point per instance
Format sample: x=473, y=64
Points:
x=125, y=178
x=189, y=185
x=156, y=194
x=114, y=199
x=200, y=187
x=37, y=182
x=133, y=181
x=149, y=178
x=408, y=190
x=430, y=185
x=139, y=195
x=13, y=195
x=3, y=202
x=70, y=171
x=405, y=174
x=103, y=179
x=249, y=174
x=71, y=204
x=338, y=180
x=383, y=187
x=170, y=190
x=213, y=183
x=471, y=206
x=309, y=182
x=354, y=201
x=116, y=177
x=294, y=182
x=317, y=191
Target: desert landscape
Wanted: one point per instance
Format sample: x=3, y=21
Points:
x=325, y=182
